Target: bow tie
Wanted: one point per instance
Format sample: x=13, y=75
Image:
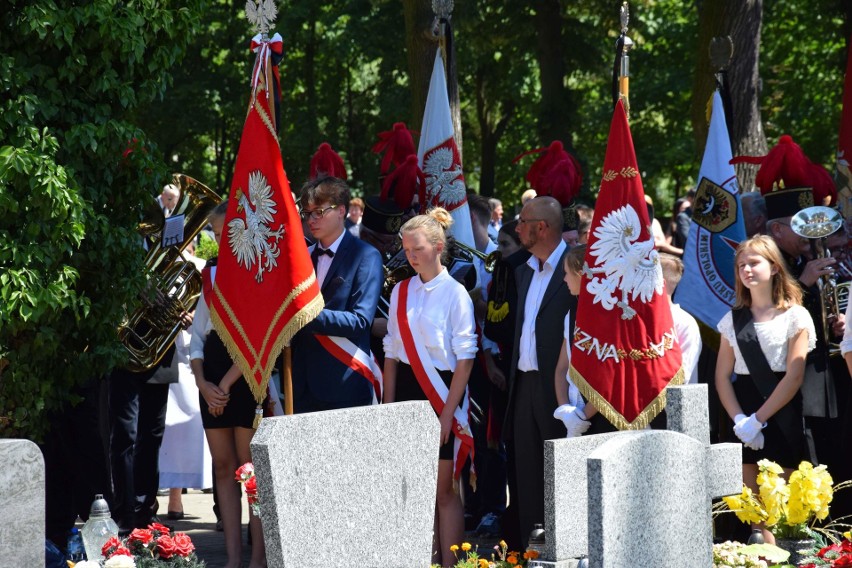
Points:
x=318, y=252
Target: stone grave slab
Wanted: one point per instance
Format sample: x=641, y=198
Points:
x=22, y=503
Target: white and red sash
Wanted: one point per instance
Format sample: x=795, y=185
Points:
x=435, y=389
x=364, y=364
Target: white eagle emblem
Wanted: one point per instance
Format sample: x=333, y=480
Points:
x=250, y=239
x=444, y=181
x=628, y=265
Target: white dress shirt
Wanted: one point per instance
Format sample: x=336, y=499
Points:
x=689, y=337
x=201, y=324
x=440, y=314
x=324, y=261
x=528, y=358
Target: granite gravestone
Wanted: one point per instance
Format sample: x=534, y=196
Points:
x=567, y=481
x=354, y=486
x=22, y=504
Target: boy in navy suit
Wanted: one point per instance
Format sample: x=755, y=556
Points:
x=329, y=353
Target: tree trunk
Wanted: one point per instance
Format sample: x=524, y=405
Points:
x=310, y=80
x=421, y=45
x=554, y=121
x=489, y=134
x=741, y=20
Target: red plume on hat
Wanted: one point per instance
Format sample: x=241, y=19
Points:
x=397, y=145
x=327, y=162
x=406, y=181
x=787, y=163
x=824, y=189
x=555, y=173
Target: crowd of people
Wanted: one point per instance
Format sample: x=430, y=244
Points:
x=486, y=339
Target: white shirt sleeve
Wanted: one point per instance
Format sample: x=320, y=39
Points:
x=846, y=344
x=462, y=325
x=392, y=341
x=201, y=326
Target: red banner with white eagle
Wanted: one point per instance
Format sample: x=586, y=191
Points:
x=265, y=288
x=440, y=159
x=624, y=351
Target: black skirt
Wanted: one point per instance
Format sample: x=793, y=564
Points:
x=407, y=388
x=240, y=410
x=787, y=449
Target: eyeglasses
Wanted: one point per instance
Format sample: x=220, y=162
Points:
x=316, y=214
x=523, y=221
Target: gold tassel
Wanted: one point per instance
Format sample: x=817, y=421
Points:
x=258, y=415
x=496, y=314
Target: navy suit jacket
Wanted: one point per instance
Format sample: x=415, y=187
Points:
x=350, y=291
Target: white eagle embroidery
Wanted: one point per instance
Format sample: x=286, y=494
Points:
x=444, y=181
x=628, y=265
x=250, y=239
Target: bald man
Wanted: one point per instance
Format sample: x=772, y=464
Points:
x=543, y=304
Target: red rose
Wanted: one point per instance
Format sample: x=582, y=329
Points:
x=827, y=549
x=251, y=486
x=121, y=551
x=183, y=544
x=166, y=546
x=162, y=529
x=245, y=471
x=108, y=548
x=143, y=536
x=844, y=561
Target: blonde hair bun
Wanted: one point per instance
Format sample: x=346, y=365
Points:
x=442, y=216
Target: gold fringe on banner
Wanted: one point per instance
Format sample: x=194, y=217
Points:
x=604, y=407
x=297, y=322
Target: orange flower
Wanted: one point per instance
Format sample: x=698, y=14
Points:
x=512, y=559
x=466, y=546
x=454, y=548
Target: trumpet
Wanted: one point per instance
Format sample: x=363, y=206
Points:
x=489, y=260
x=816, y=224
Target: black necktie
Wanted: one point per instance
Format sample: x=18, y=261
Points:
x=318, y=252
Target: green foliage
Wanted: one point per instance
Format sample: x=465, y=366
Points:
x=207, y=247
x=74, y=174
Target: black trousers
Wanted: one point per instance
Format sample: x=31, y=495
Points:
x=533, y=424
x=75, y=461
x=138, y=420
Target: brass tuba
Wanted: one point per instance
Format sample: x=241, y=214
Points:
x=151, y=330
x=816, y=224
x=489, y=260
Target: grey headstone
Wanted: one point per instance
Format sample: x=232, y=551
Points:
x=725, y=470
x=357, y=484
x=651, y=504
x=687, y=413
x=22, y=504
x=565, y=497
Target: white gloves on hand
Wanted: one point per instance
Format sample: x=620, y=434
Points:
x=747, y=429
x=757, y=443
x=575, y=422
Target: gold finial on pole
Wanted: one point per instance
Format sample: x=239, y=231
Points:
x=624, y=69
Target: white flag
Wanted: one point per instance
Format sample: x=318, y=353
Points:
x=439, y=157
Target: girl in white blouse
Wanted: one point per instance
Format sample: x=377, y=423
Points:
x=440, y=320
x=765, y=403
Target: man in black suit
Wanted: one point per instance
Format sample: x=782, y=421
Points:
x=543, y=302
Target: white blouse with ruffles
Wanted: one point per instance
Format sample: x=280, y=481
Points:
x=772, y=335
x=440, y=314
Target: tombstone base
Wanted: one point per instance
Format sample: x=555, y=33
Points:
x=571, y=563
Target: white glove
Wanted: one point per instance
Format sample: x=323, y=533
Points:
x=748, y=429
x=757, y=443
x=575, y=422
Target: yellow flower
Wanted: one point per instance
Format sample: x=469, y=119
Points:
x=454, y=548
x=503, y=544
x=483, y=563
x=848, y=535
x=746, y=507
x=465, y=546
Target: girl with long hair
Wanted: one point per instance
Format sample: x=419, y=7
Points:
x=764, y=340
